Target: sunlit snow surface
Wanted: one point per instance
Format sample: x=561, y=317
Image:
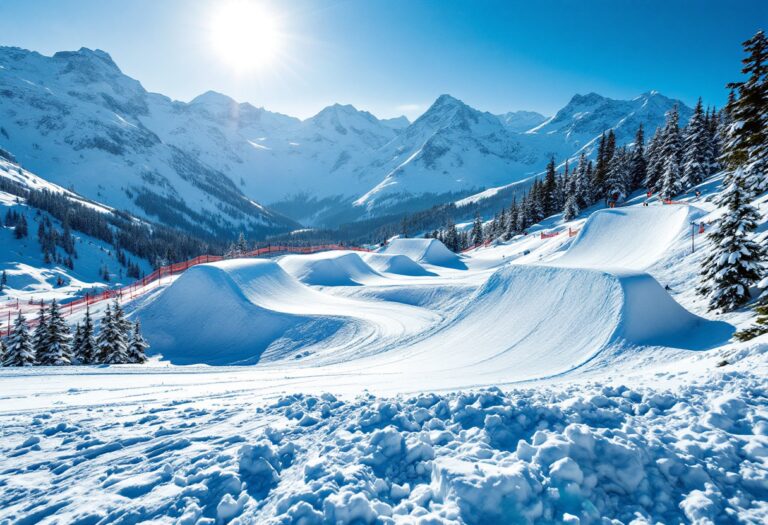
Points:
x=537, y=381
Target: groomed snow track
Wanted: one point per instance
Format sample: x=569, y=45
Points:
x=522, y=322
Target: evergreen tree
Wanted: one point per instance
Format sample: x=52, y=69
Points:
x=514, y=212
x=40, y=337
x=671, y=152
x=735, y=261
x=617, y=182
x=3, y=352
x=696, y=145
x=746, y=138
x=571, y=207
x=137, y=346
x=112, y=344
x=87, y=350
x=638, y=164
x=477, y=231
x=57, y=351
x=714, y=149
x=547, y=196
x=20, y=351
x=655, y=161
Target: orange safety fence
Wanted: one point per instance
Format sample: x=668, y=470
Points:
x=9, y=311
x=549, y=235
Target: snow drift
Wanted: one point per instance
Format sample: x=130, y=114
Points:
x=228, y=313
x=427, y=251
x=397, y=264
x=337, y=268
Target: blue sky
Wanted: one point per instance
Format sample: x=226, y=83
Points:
x=396, y=56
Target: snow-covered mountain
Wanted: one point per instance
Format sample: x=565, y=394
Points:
x=77, y=120
x=521, y=121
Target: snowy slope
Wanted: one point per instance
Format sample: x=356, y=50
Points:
x=30, y=278
x=554, y=389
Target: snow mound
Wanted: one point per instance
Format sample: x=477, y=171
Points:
x=427, y=251
x=531, y=322
x=397, y=264
x=229, y=312
x=337, y=268
x=633, y=238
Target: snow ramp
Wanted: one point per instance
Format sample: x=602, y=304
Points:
x=634, y=238
x=531, y=322
x=397, y=264
x=229, y=312
x=426, y=251
x=329, y=269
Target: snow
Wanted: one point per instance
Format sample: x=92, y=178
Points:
x=427, y=251
x=533, y=381
x=330, y=269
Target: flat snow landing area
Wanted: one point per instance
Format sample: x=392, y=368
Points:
x=538, y=381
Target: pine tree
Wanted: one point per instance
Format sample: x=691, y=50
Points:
x=3, y=352
x=714, y=147
x=87, y=350
x=40, y=337
x=20, y=351
x=638, y=164
x=548, y=197
x=617, y=182
x=571, y=207
x=655, y=161
x=477, y=231
x=137, y=346
x=747, y=132
x=112, y=343
x=514, y=212
x=696, y=144
x=735, y=262
x=671, y=152
x=57, y=351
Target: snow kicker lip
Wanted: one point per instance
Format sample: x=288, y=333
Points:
x=531, y=322
x=427, y=251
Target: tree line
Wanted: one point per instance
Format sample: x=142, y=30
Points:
x=118, y=341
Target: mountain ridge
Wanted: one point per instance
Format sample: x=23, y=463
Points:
x=75, y=116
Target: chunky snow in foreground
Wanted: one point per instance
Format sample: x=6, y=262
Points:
x=549, y=380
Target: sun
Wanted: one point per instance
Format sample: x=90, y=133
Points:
x=246, y=34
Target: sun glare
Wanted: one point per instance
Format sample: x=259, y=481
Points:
x=246, y=35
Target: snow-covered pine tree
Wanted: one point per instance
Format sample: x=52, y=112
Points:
x=20, y=351
x=571, y=207
x=476, y=236
x=735, y=263
x=87, y=351
x=671, y=153
x=137, y=346
x=103, y=343
x=617, y=182
x=3, y=352
x=655, y=161
x=512, y=220
x=548, y=195
x=523, y=217
x=714, y=147
x=58, y=351
x=747, y=133
x=638, y=164
x=112, y=343
x=40, y=335
x=696, y=144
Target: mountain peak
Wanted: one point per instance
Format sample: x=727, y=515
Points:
x=85, y=53
x=212, y=98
